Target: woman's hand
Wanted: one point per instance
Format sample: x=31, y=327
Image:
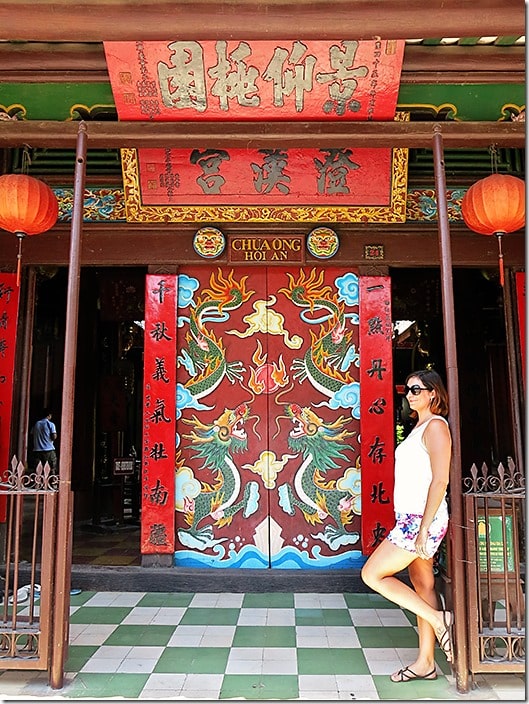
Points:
x=420, y=544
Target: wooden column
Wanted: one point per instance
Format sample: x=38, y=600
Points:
x=456, y=486
x=63, y=553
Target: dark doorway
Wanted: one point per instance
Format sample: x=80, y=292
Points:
x=485, y=412
x=108, y=402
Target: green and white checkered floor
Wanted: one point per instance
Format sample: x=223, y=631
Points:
x=273, y=646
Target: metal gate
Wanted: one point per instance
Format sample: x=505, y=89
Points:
x=26, y=607
x=494, y=506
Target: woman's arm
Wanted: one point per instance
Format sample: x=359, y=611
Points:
x=439, y=445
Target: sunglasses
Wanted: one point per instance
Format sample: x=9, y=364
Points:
x=415, y=389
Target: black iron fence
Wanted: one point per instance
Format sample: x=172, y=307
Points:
x=30, y=503
x=494, y=510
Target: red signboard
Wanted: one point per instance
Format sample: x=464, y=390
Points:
x=345, y=176
x=268, y=185
x=9, y=299
x=257, y=80
x=377, y=419
x=159, y=415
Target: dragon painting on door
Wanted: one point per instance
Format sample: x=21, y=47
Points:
x=267, y=454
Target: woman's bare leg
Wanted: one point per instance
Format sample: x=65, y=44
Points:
x=423, y=580
x=378, y=573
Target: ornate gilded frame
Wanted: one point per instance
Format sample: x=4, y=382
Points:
x=137, y=212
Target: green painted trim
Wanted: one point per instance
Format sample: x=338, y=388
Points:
x=506, y=41
x=468, y=41
x=57, y=101
x=470, y=102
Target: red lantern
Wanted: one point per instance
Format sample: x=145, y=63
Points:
x=495, y=205
x=27, y=207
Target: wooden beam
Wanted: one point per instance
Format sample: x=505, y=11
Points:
x=82, y=62
x=260, y=135
x=123, y=244
x=114, y=20
x=456, y=58
x=463, y=64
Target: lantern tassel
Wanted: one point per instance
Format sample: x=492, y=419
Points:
x=20, y=236
x=500, y=258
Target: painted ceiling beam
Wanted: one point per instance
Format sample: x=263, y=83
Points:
x=170, y=244
x=261, y=135
x=114, y=20
x=40, y=62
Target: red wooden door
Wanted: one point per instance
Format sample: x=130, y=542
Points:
x=268, y=408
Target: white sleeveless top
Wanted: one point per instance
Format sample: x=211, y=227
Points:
x=413, y=473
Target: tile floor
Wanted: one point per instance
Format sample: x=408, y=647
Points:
x=117, y=546
x=132, y=645
x=104, y=545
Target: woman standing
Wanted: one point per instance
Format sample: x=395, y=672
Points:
x=422, y=463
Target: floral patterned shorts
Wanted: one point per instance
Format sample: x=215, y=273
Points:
x=406, y=529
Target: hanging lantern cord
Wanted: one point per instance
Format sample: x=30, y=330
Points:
x=494, y=157
x=500, y=257
x=20, y=236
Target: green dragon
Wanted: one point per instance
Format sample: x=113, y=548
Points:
x=205, y=357
x=320, y=498
x=322, y=362
x=215, y=443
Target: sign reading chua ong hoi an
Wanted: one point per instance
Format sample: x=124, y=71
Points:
x=267, y=249
x=260, y=80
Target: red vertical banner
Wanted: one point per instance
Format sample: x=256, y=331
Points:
x=520, y=303
x=376, y=410
x=9, y=298
x=159, y=415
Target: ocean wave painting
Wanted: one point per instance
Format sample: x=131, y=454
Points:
x=289, y=558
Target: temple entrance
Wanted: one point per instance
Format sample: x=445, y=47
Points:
x=269, y=403
x=267, y=458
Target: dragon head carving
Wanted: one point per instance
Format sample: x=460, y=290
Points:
x=225, y=435
x=312, y=435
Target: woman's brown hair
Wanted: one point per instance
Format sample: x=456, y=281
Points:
x=433, y=382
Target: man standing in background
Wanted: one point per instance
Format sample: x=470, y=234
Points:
x=44, y=433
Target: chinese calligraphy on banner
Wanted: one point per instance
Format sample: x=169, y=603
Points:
x=266, y=185
x=376, y=421
x=9, y=299
x=159, y=416
x=259, y=80
x=266, y=176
